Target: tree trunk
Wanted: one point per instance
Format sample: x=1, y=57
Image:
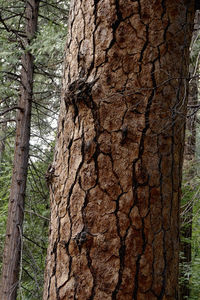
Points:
x=3, y=130
x=116, y=176
x=13, y=242
x=190, y=166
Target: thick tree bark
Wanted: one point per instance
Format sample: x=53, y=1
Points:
x=190, y=165
x=13, y=242
x=116, y=175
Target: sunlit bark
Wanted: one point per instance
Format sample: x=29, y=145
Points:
x=116, y=176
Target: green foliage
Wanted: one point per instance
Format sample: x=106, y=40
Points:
x=11, y=51
x=195, y=242
x=5, y=179
x=49, y=43
x=191, y=217
x=35, y=229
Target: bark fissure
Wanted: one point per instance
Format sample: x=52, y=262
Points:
x=122, y=123
x=122, y=250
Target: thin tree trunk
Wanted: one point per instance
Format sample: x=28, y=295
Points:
x=13, y=242
x=3, y=130
x=190, y=165
x=116, y=176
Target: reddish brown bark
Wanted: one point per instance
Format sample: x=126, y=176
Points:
x=117, y=169
x=12, y=248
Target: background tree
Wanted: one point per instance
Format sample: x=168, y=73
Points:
x=13, y=240
x=116, y=176
x=190, y=159
x=47, y=48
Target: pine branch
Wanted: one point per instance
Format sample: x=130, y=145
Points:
x=36, y=214
x=46, y=18
x=55, y=6
x=35, y=243
x=7, y=120
x=19, y=36
x=10, y=109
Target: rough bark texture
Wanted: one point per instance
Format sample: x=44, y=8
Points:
x=12, y=248
x=115, y=190
x=190, y=165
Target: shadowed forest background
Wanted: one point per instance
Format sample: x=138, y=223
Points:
x=47, y=47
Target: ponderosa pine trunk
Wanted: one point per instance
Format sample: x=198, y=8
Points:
x=13, y=241
x=116, y=176
x=190, y=165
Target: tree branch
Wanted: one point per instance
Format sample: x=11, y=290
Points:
x=7, y=120
x=10, y=109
